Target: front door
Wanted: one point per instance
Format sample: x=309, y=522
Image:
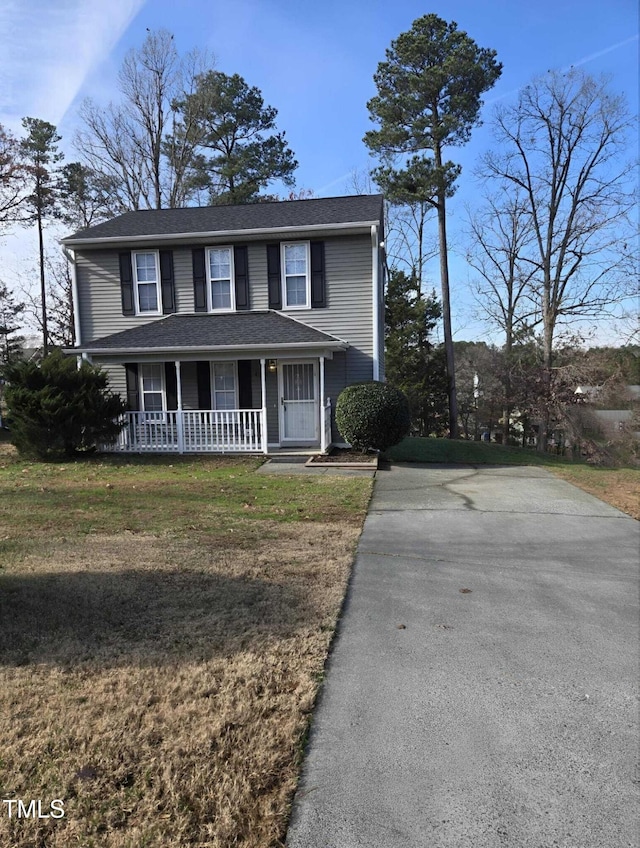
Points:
x=299, y=403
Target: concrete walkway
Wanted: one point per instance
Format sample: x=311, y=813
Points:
x=482, y=691
x=286, y=465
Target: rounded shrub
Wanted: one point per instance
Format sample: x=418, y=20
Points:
x=372, y=416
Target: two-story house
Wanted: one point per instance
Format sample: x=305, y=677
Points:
x=233, y=328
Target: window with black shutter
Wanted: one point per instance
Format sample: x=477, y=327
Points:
x=167, y=282
x=126, y=284
x=199, y=280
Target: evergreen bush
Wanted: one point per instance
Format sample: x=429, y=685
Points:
x=372, y=416
x=58, y=410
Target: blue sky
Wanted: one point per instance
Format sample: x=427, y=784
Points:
x=313, y=62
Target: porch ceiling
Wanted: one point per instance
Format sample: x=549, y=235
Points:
x=238, y=331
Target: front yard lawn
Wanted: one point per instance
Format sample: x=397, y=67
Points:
x=163, y=629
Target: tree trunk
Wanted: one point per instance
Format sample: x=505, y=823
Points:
x=446, y=307
x=43, y=290
x=506, y=383
x=547, y=353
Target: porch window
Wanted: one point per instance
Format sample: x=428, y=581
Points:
x=295, y=266
x=220, y=268
x=152, y=387
x=224, y=385
x=146, y=276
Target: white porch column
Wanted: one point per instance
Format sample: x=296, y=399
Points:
x=263, y=411
x=179, y=419
x=323, y=439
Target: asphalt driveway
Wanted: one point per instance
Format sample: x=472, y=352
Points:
x=482, y=691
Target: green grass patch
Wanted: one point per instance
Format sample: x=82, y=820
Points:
x=160, y=495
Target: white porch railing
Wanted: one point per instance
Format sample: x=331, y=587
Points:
x=193, y=431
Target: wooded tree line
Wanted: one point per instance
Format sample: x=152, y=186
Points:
x=550, y=239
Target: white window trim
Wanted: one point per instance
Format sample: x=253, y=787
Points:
x=232, y=282
x=134, y=271
x=213, y=381
x=163, y=387
x=307, y=304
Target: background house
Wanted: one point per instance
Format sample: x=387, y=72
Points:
x=233, y=328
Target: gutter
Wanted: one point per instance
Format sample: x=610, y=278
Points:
x=204, y=236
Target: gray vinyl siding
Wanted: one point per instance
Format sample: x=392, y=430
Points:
x=347, y=315
x=116, y=375
x=98, y=279
x=258, y=291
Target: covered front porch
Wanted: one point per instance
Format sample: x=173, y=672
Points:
x=292, y=411
x=234, y=383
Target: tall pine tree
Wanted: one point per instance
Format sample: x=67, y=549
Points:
x=40, y=152
x=429, y=98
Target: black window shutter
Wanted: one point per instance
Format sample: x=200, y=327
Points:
x=171, y=385
x=133, y=387
x=203, y=375
x=126, y=284
x=273, y=276
x=167, y=282
x=241, y=268
x=199, y=280
x=244, y=384
x=318, y=296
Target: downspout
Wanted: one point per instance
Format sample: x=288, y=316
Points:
x=71, y=257
x=375, y=299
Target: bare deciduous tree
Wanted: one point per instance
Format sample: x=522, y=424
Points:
x=12, y=179
x=408, y=244
x=500, y=236
x=127, y=142
x=562, y=152
x=59, y=301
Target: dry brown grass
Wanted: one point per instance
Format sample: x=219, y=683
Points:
x=160, y=683
x=619, y=487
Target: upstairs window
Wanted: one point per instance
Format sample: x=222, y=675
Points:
x=220, y=271
x=146, y=277
x=295, y=273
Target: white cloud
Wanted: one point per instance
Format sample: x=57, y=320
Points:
x=49, y=48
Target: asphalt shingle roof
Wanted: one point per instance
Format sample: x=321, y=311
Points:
x=232, y=329
x=208, y=219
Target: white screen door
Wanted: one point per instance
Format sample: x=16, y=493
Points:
x=299, y=402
